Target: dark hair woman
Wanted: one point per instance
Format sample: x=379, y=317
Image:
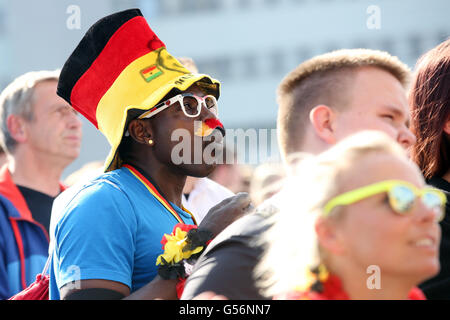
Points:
x=430, y=109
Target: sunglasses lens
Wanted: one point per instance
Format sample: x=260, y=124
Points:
x=432, y=201
x=211, y=104
x=401, y=198
x=190, y=106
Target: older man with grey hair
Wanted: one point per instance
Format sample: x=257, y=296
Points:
x=41, y=135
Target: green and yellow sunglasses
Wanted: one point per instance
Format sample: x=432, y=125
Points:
x=401, y=195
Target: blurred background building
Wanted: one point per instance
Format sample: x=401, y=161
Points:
x=249, y=45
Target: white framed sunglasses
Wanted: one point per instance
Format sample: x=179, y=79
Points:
x=190, y=103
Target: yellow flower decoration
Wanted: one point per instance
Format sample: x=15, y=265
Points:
x=173, y=249
x=323, y=273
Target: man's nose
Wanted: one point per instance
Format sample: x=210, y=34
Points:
x=74, y=121
x=206, y=113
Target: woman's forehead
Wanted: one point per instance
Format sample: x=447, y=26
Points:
x=377, y=167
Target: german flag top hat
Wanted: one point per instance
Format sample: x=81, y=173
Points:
x=119, y=66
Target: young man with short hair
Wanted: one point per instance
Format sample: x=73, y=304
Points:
x=320, y=102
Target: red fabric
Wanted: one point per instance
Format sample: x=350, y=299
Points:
x=416, y=294
x=333, y=291
x=38, y=290
x=180, y=287
x=133, y=40
x=19, y=242
x=9, y=190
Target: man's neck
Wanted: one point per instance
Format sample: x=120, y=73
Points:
x=35, y=172
x=168, y=183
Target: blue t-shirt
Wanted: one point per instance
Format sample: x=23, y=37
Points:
x=111, y=230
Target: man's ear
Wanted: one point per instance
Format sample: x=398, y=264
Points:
x=16, y=128
x=322, y=119
x=140, y=130
x=328, y=236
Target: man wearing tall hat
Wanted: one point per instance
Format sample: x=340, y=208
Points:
x=108, y=238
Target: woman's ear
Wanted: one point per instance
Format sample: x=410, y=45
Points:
x=140, y=130
x=322, y=119
x=328, y=236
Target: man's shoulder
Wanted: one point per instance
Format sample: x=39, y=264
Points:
x=112, y=182
x=5, y=203
x=105, y=191
x=7, y=207
x=99, y=187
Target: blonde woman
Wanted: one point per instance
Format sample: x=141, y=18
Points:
x=360, y=232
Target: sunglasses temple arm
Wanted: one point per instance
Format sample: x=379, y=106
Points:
x=154, y=112
x=354, y=196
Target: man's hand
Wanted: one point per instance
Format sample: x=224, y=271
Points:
x=226, y=212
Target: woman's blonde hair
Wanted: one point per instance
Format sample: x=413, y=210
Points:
x=292, y=248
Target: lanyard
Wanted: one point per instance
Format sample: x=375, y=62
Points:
x=157, y=195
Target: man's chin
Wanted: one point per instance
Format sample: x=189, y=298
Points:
x=71, y=154
x=199, y=170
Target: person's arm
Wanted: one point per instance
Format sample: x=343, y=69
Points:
x=4, y=286
x=96, y=239
x=157, y=289
x=216, y=220
x=227, y=270
x=8, y=250
x=110, y=290
x=227, y=266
